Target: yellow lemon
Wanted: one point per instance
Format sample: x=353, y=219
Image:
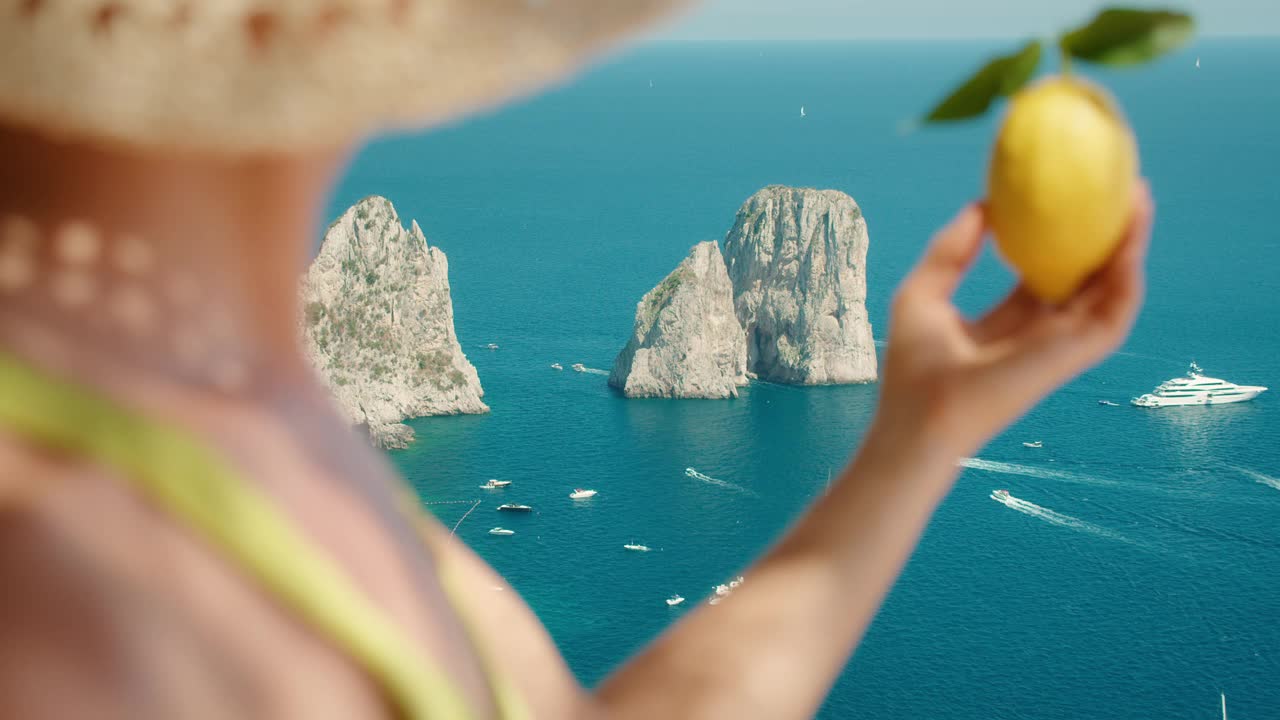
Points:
x=1060, y=189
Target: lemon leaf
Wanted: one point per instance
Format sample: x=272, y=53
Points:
x=1001, y=77
x=1121, y=36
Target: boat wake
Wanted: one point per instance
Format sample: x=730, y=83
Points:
x=1259, y=477
x=595, y=371
x=1033, y=472
x=690, y=472
x=1056, y=518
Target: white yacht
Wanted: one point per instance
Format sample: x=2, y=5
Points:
x=1036, y=444
x=580, y=494
x=494, y=484
x=557, y=366
x=674, y=600
x=501, y=531
x=1196, y=389
x=578, y=367
x=1000, y=496
x=636, y=547
x=512, y=507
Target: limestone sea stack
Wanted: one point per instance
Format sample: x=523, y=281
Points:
x=797, y=261
x=687, y=341
x=377, y=323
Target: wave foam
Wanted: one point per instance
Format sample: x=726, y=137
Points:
x=1259, y=477
x=690, y=472
x=1056, y=518
x=1030, y=471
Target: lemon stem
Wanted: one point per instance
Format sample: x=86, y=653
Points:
x=1066, y=58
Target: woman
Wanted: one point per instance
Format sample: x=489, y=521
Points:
x=187, y=530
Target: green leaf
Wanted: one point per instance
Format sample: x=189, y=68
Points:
x=1001, y=77
x=1119, y=36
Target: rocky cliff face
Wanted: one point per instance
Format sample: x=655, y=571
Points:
x=687, y=341
x=797, y=260
x=377, y=323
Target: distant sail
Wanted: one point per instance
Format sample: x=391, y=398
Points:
x=802, y=111
x=1197, y=63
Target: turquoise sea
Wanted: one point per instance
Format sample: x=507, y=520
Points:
x=1141, y=577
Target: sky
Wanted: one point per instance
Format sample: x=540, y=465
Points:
x=892, y=19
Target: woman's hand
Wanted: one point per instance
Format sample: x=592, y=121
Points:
x=958, y=382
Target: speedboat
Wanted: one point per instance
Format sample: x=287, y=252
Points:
x=636, y=547
x=511, y=507
x=1036, y=444
x=492, y=346
x=722, y=590
x=1196, y=389
x=1108, y=403
x=578, y=367
x=580, y=494
x=557, y=366
x=674, y=600
x=501, y=531
x=1000, y=495
x=494, y=484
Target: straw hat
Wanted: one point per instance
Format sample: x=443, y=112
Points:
x=241, y=76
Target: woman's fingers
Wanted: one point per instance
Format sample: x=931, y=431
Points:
x=1010, y=315
x=1063, y=341
x=949, y=254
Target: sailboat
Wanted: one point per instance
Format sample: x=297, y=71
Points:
x=1197, y=63
x=802, y=111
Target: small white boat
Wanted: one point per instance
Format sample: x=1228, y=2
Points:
x=1108, y=403
x=492, y=346
x=580, y=494
x=501, y=531
x=494, y=484
x=802, y=111
x=722, y=590
x=557, y=366
x=1036, y=444
x=636, y=547
x=1000, y=496
x=578, y=367
x=735, y=582
x=674, y=600
x=512, y=507
x=1224, y=709
x=714, y=600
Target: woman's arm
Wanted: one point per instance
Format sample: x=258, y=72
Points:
x=773, y=648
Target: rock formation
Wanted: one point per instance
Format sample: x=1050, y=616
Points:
x=687, y=341
x=797, y=260
x=377, y=323
x=793, y=277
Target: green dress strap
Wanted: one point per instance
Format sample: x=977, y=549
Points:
x=202, y=490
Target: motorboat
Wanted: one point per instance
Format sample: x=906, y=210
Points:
x=501, y=531
x=580, y=494
x=1108, y=403
x=1195, y=388
x=715, y=600
x=492, y=346
x=674, y=600
x=735, y=582
x=512, y=507
x=494, y=484
x=1000, y=496
x=722, y=590
x=1036, y=444
x=578, y=367
x=636, y=547
x=557, y=366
